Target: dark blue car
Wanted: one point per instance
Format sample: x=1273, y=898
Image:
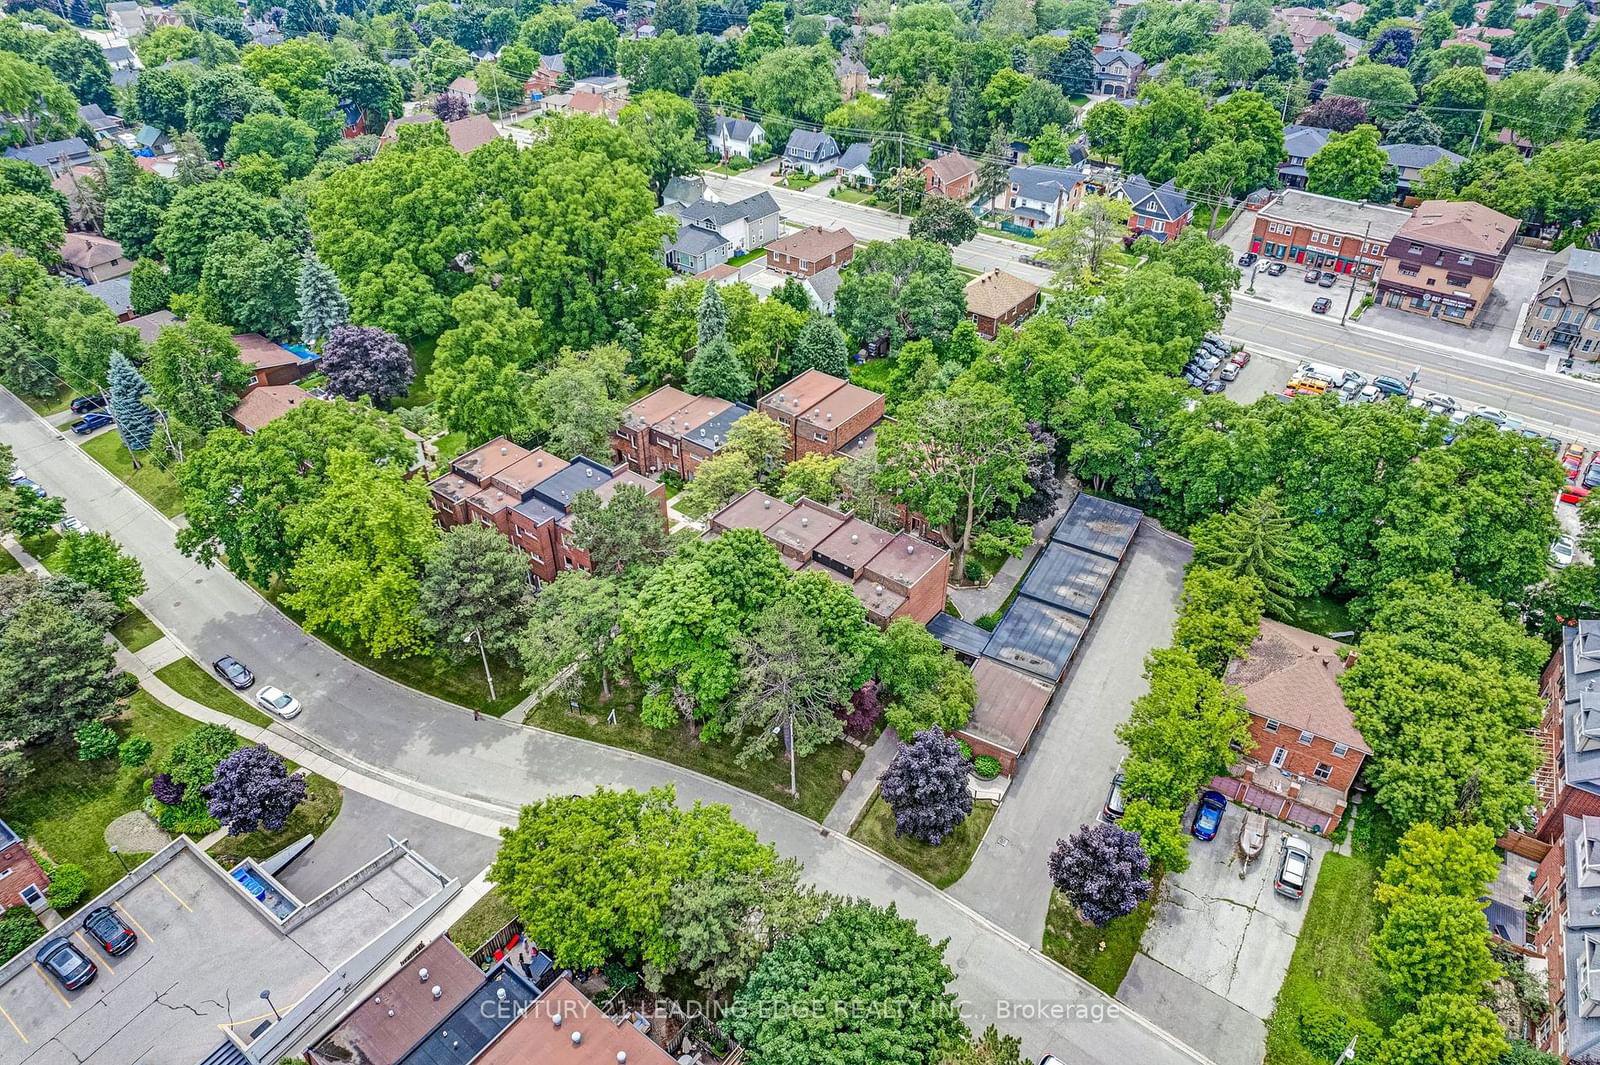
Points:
x=90, y=422
x=1208, y=818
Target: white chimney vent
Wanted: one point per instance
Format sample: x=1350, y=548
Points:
x=766, y=504
x=500, y=993
x=391, y=1011
x=437, y=991
x=422, y=975
x=804, y=521
x=911, y=549
x=504, y=451
x=555, y=1020
x=538, y=462
x=622, y=1056
x=577, y=1038
x=855, y=538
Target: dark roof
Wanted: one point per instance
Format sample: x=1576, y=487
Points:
x=738, y=129
x=1164, y=202
x=538, y=511
x=812, y=144
x=1098, y=525
x=1304, y=141
x=8, y=835
x=960, y=636
x=713, y=433
x=117, y=53
x=116, y=293
x=703, y=211
x=1417, y=156
x=1580, y=662
x=226, y=1054
x=1044, y=182
x=1037, y=638
x=1069, y=577
x=857, y=154
x=1010, y=704
x=475, y=1023
x=585, y=474
x=696, y=240
x=50, y=152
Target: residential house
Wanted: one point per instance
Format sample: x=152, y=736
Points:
x=672, y=431
x=150, y=325
x=1565, y=310
x=102, y=125
x=527, y=496
x=466, y=87
x=1039, y=197
x=853, y=166
x=544, y=80
x=611, y=86
x=1117, y=72
x=1350, y=11
x=22, y=881
x=267, y=403
x=1304, y=30
x=1300, y=143
x=683, y=190
x=735, y=136
x=1444, y=261
x=153, y=139
x=711, y=233
x=58, y=157
x=999, y=299
x=823, y=289
x=1409, y=160
x=464, y=134
x=273, y=364
x=1106, y=42
x=1343, y=236
x=93, y=258
x=563, y=1025
x=1010, y=706
x=120, y=57
x=116, y=293
x=1523, y=145
x=811, y=152
x=952, y=176
x=810, y=251
x=1160, y=212
x=822, y=414
x=852, y=75
x=583, y=102
x=125, y=18
x=892, y=574
x=1306, y=749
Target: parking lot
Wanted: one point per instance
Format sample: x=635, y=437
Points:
x=1218, y=946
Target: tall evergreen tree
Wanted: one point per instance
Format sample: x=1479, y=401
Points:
x=322, y=302
x=820, y=346
x=1252, y=540
x=713, y=318
x=717, y=371
x=135, y=420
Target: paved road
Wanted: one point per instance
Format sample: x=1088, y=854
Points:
x=1553, y=399
x=352, y=711
x=981, y=253
x=1062, y=780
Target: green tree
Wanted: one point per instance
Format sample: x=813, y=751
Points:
x=791, y=679
x=578, y=405
x=251, y=283
x=95, y=559
x=195, y=374
x=761, y=440
x=576, y=621
x=716, y=482
x=1457, y=862
x=590, y=48
x=127, y=393
x=1163, y=130
x=474, y=586
x=1106, y=124
x=925, y=684
x=902, y=289
x=359, y=552
x=592, y=876
x=1350, y=166
x=1436, y=614
x=1241, y=53
x=200, y=216
x=820, y=346
x=1434, y=944
x=476, y=377
x=814, y=476
x=57, y=673
x=1084, y=239
x=32, y=100
x=32, y=514
x=148, y=287
x=365, y=86
x=322, y=302
x=944, y=221
x=1254, y=541
x=31, y=226
x=221, y=98
x=1444, y=1028
x=1386, y=90
x=288, y=140
x=711, y=320
x=1219, y=616
x=1454, y=101
x=625, y=531
x=161, y=98
x=716, y=371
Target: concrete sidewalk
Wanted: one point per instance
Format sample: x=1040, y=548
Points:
x=863, y=784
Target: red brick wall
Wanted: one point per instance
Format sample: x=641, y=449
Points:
x=1303, y=758
x=988, y=327
x=793, y=264
x=927, y=596
x=632, y=448
x=802, y=438
x=1547, y=881
x=20, y=870
x=1301, y=238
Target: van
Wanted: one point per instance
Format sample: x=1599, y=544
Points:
x=1334, y=375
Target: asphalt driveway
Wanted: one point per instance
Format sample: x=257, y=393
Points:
x=1218, y=946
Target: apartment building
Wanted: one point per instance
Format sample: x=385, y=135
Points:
x=822, y=413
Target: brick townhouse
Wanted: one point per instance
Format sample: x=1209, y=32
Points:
x=822, y=413
x=527, y=496
x=1306, y=747
x=22, y=882
x=893, y=574
x=672, y=431
x=810, y=251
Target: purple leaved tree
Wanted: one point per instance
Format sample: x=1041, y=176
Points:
x=362, y=360
x=926, y=787
x=167, y=791
x=252, y=789
x=864, y=709
x=1102, y=871
x=450, y=106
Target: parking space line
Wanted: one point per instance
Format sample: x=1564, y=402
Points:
x=89, y=953
x=124, y=911
x=13, y=1024
x=157, y=878
x=48, y=979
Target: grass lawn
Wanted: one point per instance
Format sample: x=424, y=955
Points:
x=41, y=547
x=941, y=866
x=819, y=775
x=8, y=562
x=1077, y=99
x=873, y=374
x=422, y=363
x=64, y=804
x=187, y=677
x=486, y=917
x=748, y=257
x=1331, y=963
x=1320, y=614
x=48, y=405
x=851, y=195
x=135, y=631
x=1077, y=945
x=322, y=802
x=996, y=231
x=450, y=446
x=157, y=486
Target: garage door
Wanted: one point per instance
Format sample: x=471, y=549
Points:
x=1315, y=820
x=1268, y=802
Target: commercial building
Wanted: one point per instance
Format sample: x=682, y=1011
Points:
x=211, y=941
x=671, y=431
x=1309, y=230
x=823, y=414
x=1444, y=261
x=527, y=496
x=1565, y=310
x=893, y=574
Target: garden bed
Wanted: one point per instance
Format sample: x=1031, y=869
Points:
x=940, y=866
x=322, y=803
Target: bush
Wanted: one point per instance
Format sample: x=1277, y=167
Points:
x=986, y=767
x=68, y=885
x=95, y=741
x=135, y=751
x=18, y=929
x=987, y=622
x=972, y=571
x=966, y=748
x=1326, y=1030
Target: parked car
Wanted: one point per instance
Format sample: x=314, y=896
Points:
x=1313, y=275
x=85, y=404
x=1240, y=358
x=70, y=524
x=65, y=963
x=1573, y=493
x=1276, y=269
x=1391, y=386
x=1321, y=305
x=90, y=422
x=278, y=701
x=1561, y=552
x=24, y=483
x=1248, y=259
x=107, y=928
x=1369, y=394
x=1231, y=371
x=1490, y=414
x=1114, y=806
x=16, y=475
x=1327, y=279
x=1591, y=476
x=1440, y=404
x=1208, y=816
x=1351, y=389
x=235, y=672
x=1213, y=386
x=1294, y=868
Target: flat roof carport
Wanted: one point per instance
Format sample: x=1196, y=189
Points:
x=1069, y=577
x=1037, y=638
x=1098, y=525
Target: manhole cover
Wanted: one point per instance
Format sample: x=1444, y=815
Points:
x=1002, y=841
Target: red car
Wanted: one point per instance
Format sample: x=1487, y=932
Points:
x=1573, y=493
x=1240, y=358
x=1572, y=460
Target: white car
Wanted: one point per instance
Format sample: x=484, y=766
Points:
x=69, y=524
x=1294, y=868
x=277, y=701
x=16, y=475
x=1561, y=552
x=1490, y=414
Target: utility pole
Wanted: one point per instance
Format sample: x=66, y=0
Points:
x=899, y=165
x=1351, y=295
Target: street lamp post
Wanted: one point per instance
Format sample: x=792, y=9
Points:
x=123, y=861
x=266, y=996
x=478, y=633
